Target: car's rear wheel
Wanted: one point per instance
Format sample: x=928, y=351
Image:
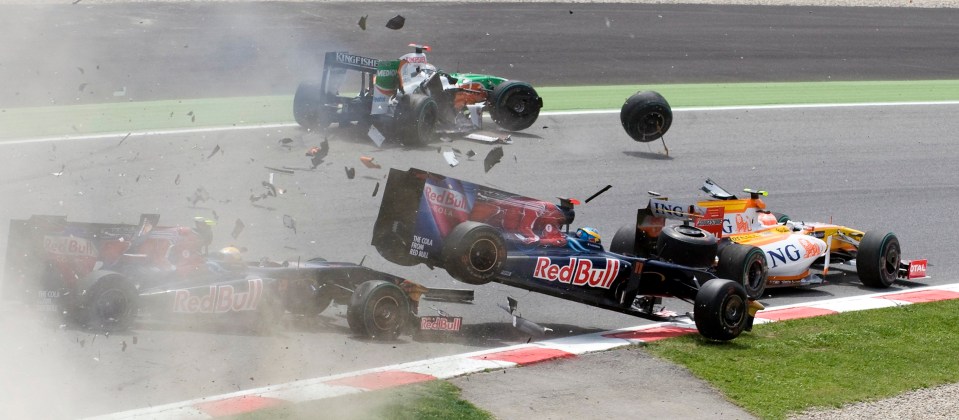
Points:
x=474, y=253
x=646, y=116
x=309, y=108
x=745, y=264
x=110, y=304
x=687, y=245
x=515, y=105
x=417, y=118
x=721, y=311
x=378, y=309
x=878, y=258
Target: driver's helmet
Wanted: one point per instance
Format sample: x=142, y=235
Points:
x=229, y=255
x=588, y=234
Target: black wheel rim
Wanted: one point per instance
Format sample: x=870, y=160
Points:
x=891, y=262
x=754, y=275
x=483, y=255
x=386, y=313
x=733, y=310
x=653, y=123
x=111, y=306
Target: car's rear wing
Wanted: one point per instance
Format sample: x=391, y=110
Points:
x=335, y=65
x=47, y=253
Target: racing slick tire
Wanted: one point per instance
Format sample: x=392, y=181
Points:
x=745, y=264
x=515, y=105
x=877, y=261
x=416, y=117
x=378, y=309
x=624, y=241
x=722, y=311
x=110, y=304
x=780, y=218
x=687, y=245
x=309, y=109
x=474, y=253
x=646, y=116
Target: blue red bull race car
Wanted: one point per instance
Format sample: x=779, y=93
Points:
x=481, y=234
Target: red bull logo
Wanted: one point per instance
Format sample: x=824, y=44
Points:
x=220, y=299
x=579, y=272
x=69, y=245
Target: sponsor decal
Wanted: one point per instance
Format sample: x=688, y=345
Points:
x=578, y=272
x=69, y=245
x=741, y=224
x=415, y=59
x=220, y=299
x=386, y=73
x=347, y=58
x=444, y=201
x=663, y=208
x=712, y=221
x=418, y=247
x=917, y=269
x=441, y=323
x=810, y=249
x=783, y=255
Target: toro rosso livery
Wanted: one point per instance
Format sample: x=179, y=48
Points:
x=797, y=253
x=102, y=275
x=480, y=234
x=409, y=99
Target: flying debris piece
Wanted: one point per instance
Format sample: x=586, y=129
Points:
x=450, y=158
x=270, y=188
x=177, y=180
x=350, y=172
x=83, y=86
x=396, y=22
x=123, y=345
x=282, y=171
x=362, y=22
x=138, y=178
x=81, y=70
x=470, y=154
x=189, y=114
x=199, y=196
x=319, y=153
x=523, y=324
x=376, y=189
x=215, y=216
x=237, y=229
x=124, y=138
x=570, y=12
x=368, y=162
x=493, y=157
x=488, y=137
x=606, y=188
x=289, y=222
x=76, y=1
x=286, y=142
x=215, y=150
x=62, y=167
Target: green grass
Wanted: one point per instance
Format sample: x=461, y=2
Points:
x=434, y=400
x=827, y=361
x=123, y=117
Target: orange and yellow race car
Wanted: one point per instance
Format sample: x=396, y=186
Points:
x=797, y=253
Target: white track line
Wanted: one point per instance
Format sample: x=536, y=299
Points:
x=120, y=135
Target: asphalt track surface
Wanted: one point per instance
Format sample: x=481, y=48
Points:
x=866, y=167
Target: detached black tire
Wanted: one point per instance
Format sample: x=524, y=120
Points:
x=646, y=116
x=515, y=105
x=416, y=119
x=687, y=245
x=721, y=311
x=309, y=108
x=745, y=264
x=474, y=253
x=877, y=261
x=378, y=309
x=110, y=304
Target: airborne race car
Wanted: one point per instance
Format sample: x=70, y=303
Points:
x=409, y=99
x=102, y=275
x=793, y=249
x=480, y=234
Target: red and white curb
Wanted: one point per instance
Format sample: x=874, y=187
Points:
x=501, y=358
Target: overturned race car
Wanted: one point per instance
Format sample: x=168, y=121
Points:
x=409, y=99
x=101, y=276
x=480, y=234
